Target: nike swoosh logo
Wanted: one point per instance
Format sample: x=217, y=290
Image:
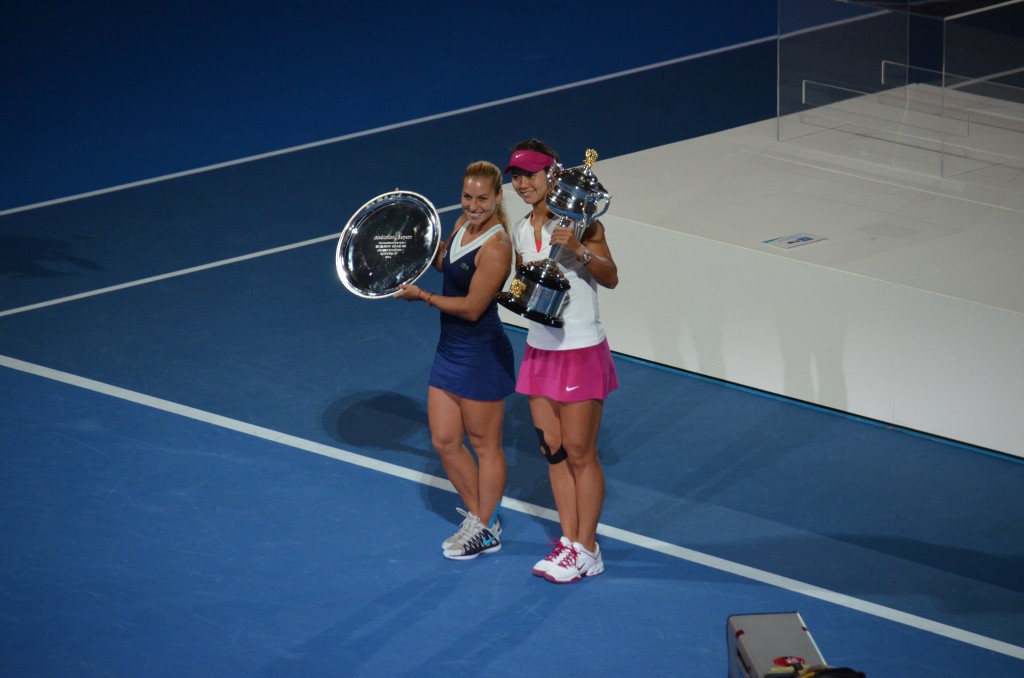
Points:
x=571, y=388
x=489, y=540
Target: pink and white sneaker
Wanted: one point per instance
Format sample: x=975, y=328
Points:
x=575, y=564
x=561, y=546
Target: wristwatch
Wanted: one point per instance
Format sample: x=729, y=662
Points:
x=585, y=259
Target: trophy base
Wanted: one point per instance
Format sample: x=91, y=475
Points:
x=511, y=303
x=537, y=293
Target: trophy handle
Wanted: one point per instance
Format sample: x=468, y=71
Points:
x=553, y=170
x=606, y=199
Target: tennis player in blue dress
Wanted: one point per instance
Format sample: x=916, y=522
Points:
x=474, y=367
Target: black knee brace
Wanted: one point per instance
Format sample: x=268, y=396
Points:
x=555, y=458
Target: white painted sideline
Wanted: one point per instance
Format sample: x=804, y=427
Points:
x=633, y=538
x=387, y=128
x=183, y=271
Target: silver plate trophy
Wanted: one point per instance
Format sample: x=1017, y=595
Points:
x=391, y=240
x=538, y=292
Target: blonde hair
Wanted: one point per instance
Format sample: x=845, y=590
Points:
x=488, y=170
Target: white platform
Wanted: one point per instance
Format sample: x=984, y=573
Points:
x=911, y=311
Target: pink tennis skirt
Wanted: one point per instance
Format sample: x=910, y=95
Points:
x=568, y=376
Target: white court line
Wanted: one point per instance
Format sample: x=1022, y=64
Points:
x=981, y=9
x=183, y=271
x=633, y=538
x=387, y=128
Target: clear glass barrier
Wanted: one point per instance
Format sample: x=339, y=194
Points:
x=983, y=85
x=935, y=87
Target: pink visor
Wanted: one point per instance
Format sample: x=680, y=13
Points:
x=530, y=161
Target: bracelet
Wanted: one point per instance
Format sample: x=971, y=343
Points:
x=429, y=295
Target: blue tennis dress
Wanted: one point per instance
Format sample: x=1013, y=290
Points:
x=474, y=359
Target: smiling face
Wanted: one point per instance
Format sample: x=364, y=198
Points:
x=532, y=187
x=479, y=201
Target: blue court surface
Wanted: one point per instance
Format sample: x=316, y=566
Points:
x=217, y=462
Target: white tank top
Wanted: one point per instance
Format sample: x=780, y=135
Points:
x=580, y=311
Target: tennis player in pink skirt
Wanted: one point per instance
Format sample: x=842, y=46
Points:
x=567, y=372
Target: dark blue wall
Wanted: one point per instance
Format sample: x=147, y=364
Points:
x=103, y=93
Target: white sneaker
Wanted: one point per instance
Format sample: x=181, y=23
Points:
x=561, y=546
x=470, y=525
x=481, y=541
x=575, y=564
